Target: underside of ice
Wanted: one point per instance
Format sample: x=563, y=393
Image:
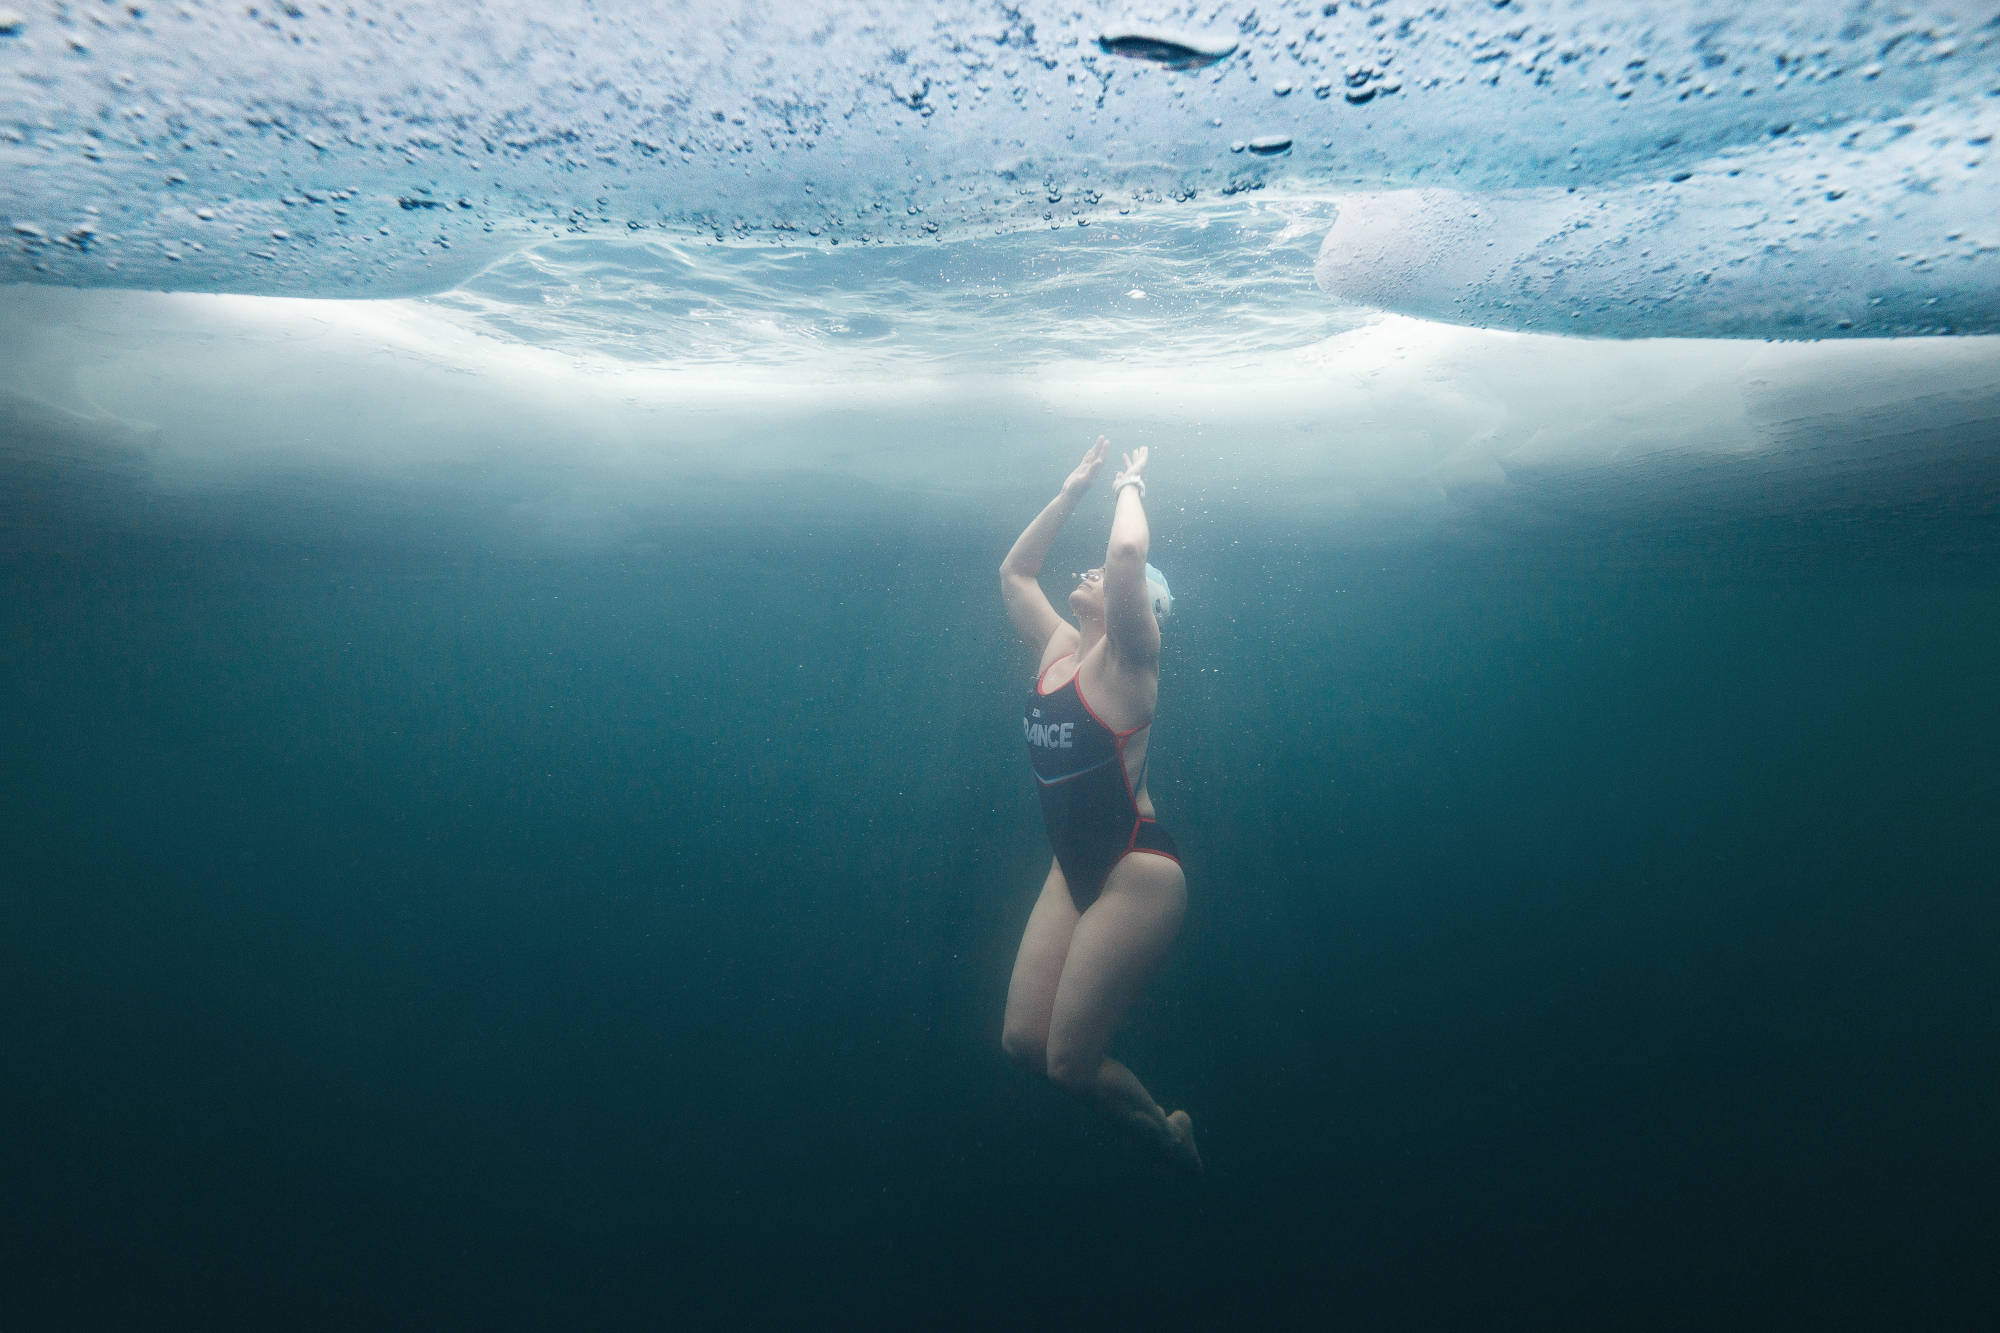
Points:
x=1622, y=169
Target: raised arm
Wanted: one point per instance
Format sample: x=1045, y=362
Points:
x=1035, y=620
x=1129, y=625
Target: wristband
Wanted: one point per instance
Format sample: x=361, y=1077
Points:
x=1140, y=482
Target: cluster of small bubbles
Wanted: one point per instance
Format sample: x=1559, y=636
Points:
x=1364, y=82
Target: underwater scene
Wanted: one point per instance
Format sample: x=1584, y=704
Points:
x=532, y=538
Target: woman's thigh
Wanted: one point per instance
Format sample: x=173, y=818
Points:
x=1114, y=951
x=1038, y=967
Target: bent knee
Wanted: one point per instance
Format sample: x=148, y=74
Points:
x=1026, y=1048
x=1070, y=1071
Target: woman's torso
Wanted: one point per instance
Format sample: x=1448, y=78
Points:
x=1118, y=704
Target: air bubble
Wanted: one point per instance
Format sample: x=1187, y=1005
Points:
x=1175, y=50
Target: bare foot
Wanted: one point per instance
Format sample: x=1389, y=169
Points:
x=1181, y=1126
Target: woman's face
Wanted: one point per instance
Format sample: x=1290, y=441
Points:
x=1088, y=598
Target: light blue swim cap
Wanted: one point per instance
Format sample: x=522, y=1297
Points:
x=1163, y=597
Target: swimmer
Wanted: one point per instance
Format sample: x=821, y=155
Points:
x=1115, y=895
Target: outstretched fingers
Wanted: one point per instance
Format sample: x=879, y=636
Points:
x=1085, y=471
x=1135, y=461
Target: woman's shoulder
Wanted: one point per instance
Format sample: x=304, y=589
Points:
x=1122, y=695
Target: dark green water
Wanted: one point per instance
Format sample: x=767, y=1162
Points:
x=408, y=928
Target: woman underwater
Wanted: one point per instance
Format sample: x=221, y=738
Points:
x=1115, y=895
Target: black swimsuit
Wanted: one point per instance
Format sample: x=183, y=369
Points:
x=1087, y=801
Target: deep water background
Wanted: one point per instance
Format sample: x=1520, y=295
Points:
x=408, y=925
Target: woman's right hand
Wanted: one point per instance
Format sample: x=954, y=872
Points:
x=1086, y=471
x=1135, y=467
